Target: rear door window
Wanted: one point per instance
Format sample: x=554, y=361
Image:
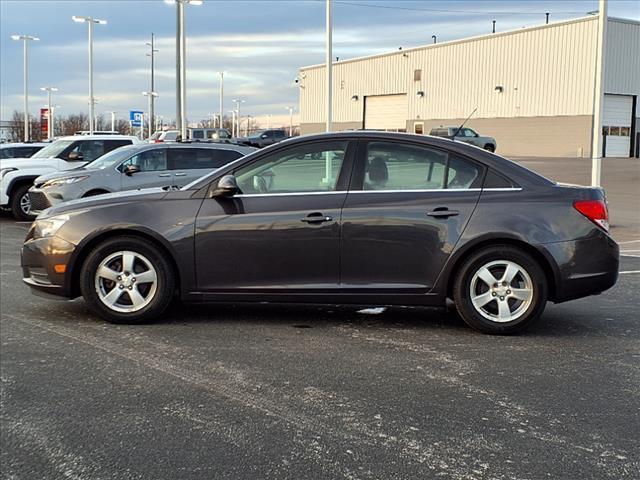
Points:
x=396, y=166
x=113, y=144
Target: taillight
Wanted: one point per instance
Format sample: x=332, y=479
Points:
x=594, y=210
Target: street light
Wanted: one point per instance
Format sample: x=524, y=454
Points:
x=90, y=21
x=181, y=75
x=290, y=108
x=113, y=119
x=152, y=54
x=49, y=114
x=151, y=96
x=233, y=123
x=237, y=102
x=26, y=39
x=221, y=97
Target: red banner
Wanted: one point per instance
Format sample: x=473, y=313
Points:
x=44, y=120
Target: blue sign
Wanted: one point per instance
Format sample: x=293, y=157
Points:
x=135, y=117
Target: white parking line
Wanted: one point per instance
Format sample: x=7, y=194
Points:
x=629, y=251
x=628, y=241
x=627, y=255
x=629, y=271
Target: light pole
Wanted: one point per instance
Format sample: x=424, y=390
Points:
x=598, y=97
x=246, y=127
x=26, y=39
x=113, y=119
x=49, y=114
x=151, y=96
x=52, y=118
x=221, y=97
x=237, y=102
x=269, y=120
x=290, y=108
x=329, y=66
x=152, y=54
x=181, y=75
x=90, y=21
x=233, y=123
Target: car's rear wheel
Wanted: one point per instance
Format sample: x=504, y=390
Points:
x=500, y=290
x=21, y=203
x=127, y=280
x=490, y=147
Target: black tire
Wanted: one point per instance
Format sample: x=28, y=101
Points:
x=165, y=283
x=462, y=290
x=490, y=148
x=16, y=203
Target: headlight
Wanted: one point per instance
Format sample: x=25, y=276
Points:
x=4, y=171
x=47, y=227
x=63, y=181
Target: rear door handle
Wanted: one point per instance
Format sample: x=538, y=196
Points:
x=181, y=174
x=442, y=212
x=316, y=217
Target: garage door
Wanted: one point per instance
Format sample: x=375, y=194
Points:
x=616, y=125
x=386, y=112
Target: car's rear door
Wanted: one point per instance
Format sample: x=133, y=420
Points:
x=281, y=235
x=154, y=170
x=192, y=163
x=406, y=209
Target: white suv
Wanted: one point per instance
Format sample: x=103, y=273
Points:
x=17, y=174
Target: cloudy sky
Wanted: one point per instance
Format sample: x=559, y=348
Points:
x=260, y=44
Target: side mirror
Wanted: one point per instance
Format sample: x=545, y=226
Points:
x=75, y=157
x=227, y=187
x=264, y=135
x=476, y=135
x=131, y=169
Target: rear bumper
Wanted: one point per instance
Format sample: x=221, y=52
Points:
x=39, y=259
x=586, y=266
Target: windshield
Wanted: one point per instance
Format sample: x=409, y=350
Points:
x=111, y=158
x=53, y=150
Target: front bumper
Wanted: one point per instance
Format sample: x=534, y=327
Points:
x=39, y=260
x=41, y=199
x=587, y=266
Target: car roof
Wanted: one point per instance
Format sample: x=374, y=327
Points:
x=23, y=144
x=212, y=145
x=100, y=137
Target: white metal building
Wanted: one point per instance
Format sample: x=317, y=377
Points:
x=533, y=89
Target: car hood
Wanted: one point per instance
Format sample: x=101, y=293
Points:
x=107, y=199
x=74, y=172
x=40, y=163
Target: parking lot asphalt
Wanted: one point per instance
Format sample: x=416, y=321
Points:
x=306, y=392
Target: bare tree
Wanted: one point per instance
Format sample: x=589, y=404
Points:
x=73, y=123
x=16, y=128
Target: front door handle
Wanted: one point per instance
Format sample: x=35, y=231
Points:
x=442, y=212
x=316, y=217
x=164, y=175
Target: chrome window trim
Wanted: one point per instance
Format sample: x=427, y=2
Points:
x=335, y=192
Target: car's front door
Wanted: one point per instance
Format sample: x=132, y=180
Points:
x=153, y=171
x=281, y=234
x=406, y=209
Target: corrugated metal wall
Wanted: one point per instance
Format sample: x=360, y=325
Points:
x=544, y=71
x=622, y=60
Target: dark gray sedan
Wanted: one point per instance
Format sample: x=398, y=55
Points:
x=354, y=218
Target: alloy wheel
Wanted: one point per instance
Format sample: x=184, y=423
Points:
x=25, y=204
x=126, y=281
x=501, y=291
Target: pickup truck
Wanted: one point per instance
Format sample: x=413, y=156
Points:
x=466, y=135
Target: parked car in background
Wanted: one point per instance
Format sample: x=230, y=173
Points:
x=19, y=150
x=221, y=135
x=165, y=136
x=263, y=138
x=371, y=218
x=134, y=167
x=466, y=135
x=97, y=132
x=17, y=174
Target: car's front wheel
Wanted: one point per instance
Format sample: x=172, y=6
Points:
x=490, y=147
x=127, y=280
x=21, y=203
x=500, y=290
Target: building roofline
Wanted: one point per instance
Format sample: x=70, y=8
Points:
x=473, y=39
